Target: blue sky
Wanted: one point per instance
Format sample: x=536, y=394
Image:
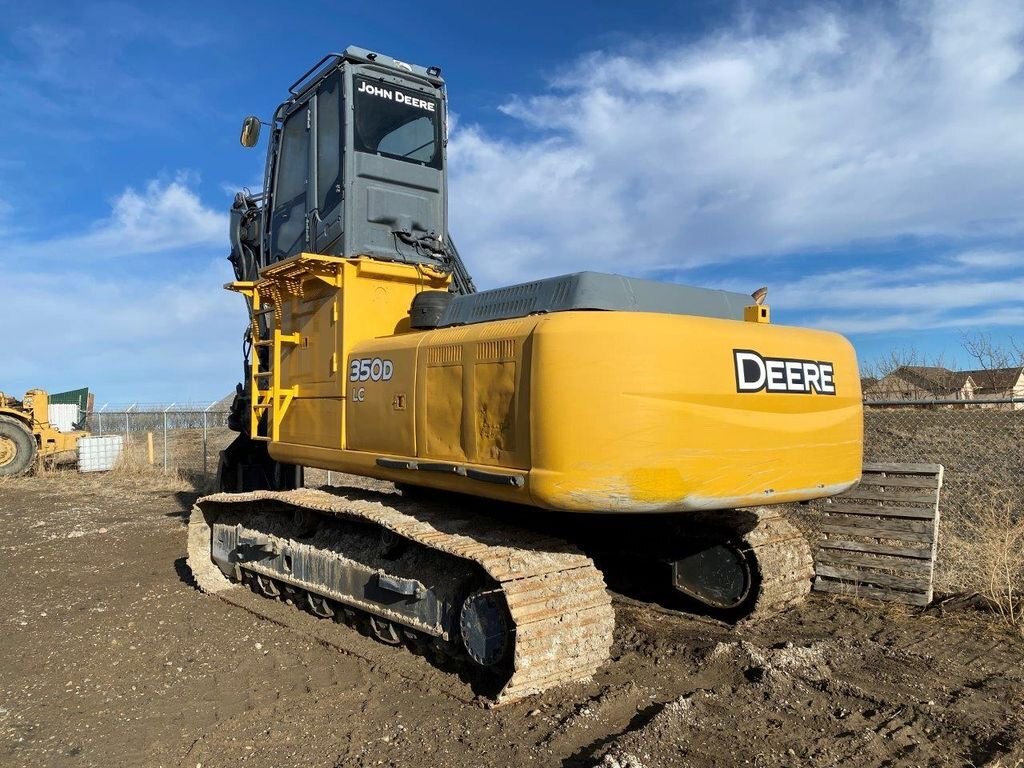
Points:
x=862, y=160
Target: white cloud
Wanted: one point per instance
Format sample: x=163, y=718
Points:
x=988, y=258
x=133, y=328
x=963, y=290
x=868, y=289
x=1008, y=317
x=830, y=130
x=129, y=338
x=166, y=216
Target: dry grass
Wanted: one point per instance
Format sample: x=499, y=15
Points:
x=134, y=470
x=131, y=476
x=986, y=552
x=186, y=468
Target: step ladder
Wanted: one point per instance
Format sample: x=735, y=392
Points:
x=269, y=398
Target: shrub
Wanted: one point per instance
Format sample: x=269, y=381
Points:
x=985, y=552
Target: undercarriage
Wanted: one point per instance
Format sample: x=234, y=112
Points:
x=521, y=610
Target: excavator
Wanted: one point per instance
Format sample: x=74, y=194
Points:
x=547, y=440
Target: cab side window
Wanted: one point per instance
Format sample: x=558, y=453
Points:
x=328, y=145
x=288, y=223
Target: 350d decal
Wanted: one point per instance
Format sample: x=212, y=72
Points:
x=370, y=369
x=756, y=373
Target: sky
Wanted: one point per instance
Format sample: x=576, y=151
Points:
x=863, y=160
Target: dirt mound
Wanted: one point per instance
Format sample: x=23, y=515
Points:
x=784, y=671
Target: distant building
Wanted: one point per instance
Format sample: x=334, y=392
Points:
x=920, y=382
x=998, y=383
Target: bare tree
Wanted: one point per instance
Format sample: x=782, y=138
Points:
x=990, y=357
x=1018, y=351
x=894, y=359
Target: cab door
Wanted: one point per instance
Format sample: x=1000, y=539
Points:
x=326, y=213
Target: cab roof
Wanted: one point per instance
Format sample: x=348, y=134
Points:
x=368, y=59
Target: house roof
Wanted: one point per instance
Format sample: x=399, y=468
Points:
x=933, y=378
x=996, y=378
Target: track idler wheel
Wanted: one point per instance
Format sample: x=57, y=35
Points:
x=486, y=627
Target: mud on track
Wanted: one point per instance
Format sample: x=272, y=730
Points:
x=108, y=656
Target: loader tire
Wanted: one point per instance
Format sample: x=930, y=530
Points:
x=17, y=448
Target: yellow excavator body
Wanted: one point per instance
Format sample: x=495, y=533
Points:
x=586, y=411
x=644, y=435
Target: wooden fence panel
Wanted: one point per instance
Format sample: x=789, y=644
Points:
x=879, y=539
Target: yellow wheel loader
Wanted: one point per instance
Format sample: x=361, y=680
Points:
x=26, y=435
x=549, y=439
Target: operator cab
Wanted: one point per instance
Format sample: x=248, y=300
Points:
x=355, y=164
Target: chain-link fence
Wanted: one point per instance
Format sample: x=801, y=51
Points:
x=182, y=437
x=981, y=445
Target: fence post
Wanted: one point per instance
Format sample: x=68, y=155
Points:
x=205, y=428
x=101, y=417
x=165, y=434
x=126, y=423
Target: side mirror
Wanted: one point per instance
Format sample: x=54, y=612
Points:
x=250, y=131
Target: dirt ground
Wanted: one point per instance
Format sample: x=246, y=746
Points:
x=110, y=657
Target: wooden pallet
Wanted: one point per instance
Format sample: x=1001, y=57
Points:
x=879, y=538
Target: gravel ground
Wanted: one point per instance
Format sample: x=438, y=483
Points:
x=109, y=656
